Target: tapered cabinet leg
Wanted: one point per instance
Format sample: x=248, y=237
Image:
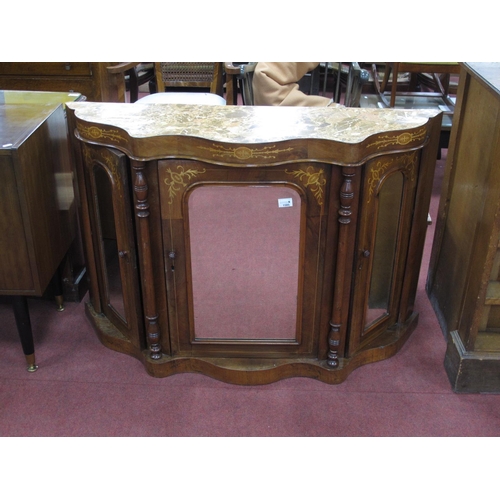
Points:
x=59, y=303
x=22, y=315
x=58, y=290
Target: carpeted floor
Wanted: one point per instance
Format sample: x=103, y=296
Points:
x=85, y=389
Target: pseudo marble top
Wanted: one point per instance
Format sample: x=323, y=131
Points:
x=249, y=124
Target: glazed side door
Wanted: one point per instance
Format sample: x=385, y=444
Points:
x=388, y=197
x=112, y=221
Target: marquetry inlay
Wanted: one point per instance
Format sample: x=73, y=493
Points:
x=406, y=162
x=312, y=179
x=104, y=157
x=96, y=133
x=176, y=180
x=400, y=140
x=245, y=153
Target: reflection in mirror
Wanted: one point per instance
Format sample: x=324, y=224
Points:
x=245, y=254
x=111, y=264
x=386, y=231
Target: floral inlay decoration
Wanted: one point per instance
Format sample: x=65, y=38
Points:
x=95, y=133
x=312, y=180
x=399, y=140
x=244, y=153
x=176, y=180
x=408, y=164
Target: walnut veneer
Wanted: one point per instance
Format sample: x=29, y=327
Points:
x=346, y=189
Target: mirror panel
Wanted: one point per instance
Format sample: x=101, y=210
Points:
x=383, y=260
x=108, y=239
x=245, y=245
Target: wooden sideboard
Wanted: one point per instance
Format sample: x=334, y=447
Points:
x=464, y=271
x=91, y=79
x=253, y=243
x=38, y=219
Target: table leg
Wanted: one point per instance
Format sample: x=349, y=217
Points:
x=22, y=315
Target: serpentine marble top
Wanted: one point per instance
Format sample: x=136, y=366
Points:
x=250, y=124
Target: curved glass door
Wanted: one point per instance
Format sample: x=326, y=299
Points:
x=383, y=238
x=384, y=252
x=108, y=240
x=112, y=226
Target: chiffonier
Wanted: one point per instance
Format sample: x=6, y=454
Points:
x=464, y=271
x=252, y=244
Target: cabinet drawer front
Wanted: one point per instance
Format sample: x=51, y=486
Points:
x=46, y=69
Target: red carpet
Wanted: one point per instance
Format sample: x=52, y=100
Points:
x=85, y=389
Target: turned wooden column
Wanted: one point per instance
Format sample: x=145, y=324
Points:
x=336, y=327
x=142, y=214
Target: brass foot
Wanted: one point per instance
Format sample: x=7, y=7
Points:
x=60, y=302
x=32, y=366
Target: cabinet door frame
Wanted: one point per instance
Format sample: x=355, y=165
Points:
x=115, y=166
x=174, y=203
x=376, y=173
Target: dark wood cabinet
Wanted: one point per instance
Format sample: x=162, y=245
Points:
x=38, y=212
x=464, y=274
x=251, y=243
x=91, y=79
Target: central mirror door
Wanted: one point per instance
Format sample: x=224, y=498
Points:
x=243, y=258
x=245, y=252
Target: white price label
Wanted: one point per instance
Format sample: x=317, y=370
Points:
x=285, y=202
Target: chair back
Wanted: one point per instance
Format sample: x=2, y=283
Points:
x=356, y=79
x=239, y=76
x=246, y=80
x=349, y=80
x=194, y=76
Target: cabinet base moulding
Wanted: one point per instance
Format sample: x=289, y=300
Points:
x=254, y=371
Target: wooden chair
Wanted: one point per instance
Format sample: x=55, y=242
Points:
x=135, y=75
x=349, y=80
x=189, y=76
x=239, y=76
x=415, y=69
